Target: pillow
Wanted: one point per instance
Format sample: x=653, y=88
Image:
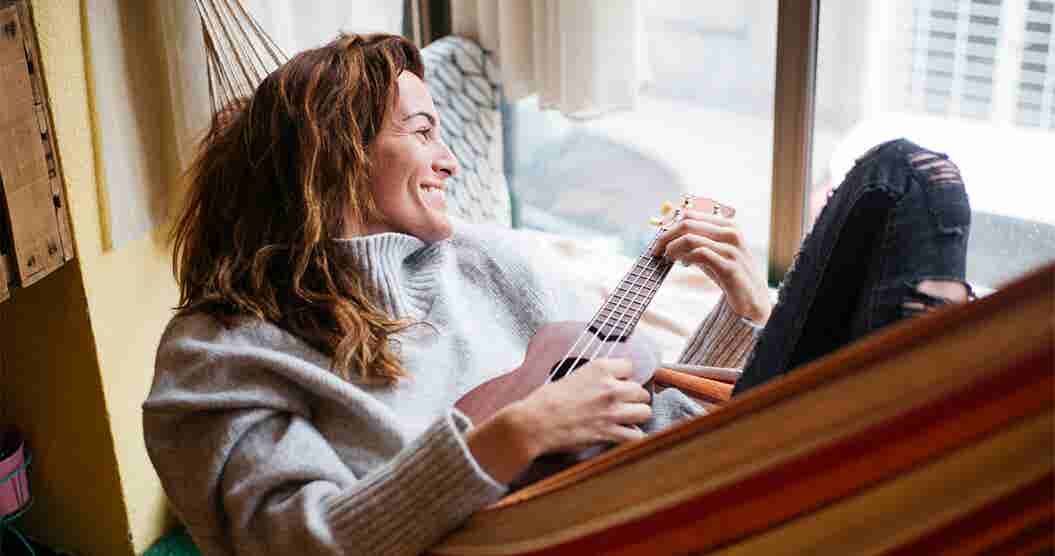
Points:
x=464, y=83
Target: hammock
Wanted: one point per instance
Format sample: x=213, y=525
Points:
x=934, y=434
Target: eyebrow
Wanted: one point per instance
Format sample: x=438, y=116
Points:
x=429, y=117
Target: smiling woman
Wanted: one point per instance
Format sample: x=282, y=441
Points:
x=411, y=164
x=307, y=397
x=331, y=315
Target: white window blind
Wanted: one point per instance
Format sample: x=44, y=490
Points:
x=954, y=57
x=1036, y=82
x=983, y=59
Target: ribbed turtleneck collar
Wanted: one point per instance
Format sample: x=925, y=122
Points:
x=402, y=269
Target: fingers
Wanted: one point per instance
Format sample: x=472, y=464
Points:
x=703, y=225
x=616, y=368
x=691, y=247
x=623, y=389
x=632, y=413
x=619, y=434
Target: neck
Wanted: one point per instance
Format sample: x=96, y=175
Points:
x=623, y=309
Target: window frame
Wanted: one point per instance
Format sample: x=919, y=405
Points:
x=794, y=99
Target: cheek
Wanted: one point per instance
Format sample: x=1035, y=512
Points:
x=389, y=176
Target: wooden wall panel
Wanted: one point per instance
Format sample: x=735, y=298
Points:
x=33, y=198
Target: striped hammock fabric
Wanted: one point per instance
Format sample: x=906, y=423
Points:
x=934, y=435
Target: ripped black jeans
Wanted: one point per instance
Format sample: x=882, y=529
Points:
x=895, y=226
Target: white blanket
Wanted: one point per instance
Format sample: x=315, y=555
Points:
x=594, y=270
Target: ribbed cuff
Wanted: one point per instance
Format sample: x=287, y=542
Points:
x=723, y=339
x=412, y=502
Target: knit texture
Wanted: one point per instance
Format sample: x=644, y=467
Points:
x=262, y=450
x=723, y=339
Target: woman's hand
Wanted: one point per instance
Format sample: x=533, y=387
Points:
x=597, y=403
x=716, y=246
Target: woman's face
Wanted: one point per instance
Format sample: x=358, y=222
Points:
x=410, y=165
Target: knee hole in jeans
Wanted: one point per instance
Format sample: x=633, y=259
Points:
x=931, y=294
x=938, y=169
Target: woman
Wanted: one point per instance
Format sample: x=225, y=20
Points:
x=331, y=314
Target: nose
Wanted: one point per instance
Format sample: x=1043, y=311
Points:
x=446, y=164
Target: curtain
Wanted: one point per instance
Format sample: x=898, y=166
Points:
x=150, y=94
x=582, y=57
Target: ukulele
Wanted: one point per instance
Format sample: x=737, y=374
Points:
x=560, y=348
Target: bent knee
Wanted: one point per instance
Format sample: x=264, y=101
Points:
x=931, y=294
x=938, y=169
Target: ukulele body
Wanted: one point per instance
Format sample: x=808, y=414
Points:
x=545, y=352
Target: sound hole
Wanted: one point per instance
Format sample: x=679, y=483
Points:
x=611, y=336
x=566, y=366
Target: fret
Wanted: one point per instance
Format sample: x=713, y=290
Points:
x=603, y=319
x=633, y=280
x=628, y=308
x=631, y=297
x=648, y=283
x=623, y=309
x=622, y=296
x=635, y=307
x=632, y=283
x=647, y=267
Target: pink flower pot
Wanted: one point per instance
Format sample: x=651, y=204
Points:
x=14, y=473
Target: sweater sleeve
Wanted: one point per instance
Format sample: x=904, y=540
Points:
x=723, y=339
x=251, y=474
x=277, y=503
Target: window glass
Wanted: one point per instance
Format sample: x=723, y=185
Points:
x=974, y=79
x=704, y=126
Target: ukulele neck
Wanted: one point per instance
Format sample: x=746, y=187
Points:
x=620, y=313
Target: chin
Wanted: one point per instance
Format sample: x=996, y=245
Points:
x=438, y=231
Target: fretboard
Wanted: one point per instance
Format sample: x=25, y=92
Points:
x=623, y=309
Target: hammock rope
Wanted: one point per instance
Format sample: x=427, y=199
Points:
x=239, y=53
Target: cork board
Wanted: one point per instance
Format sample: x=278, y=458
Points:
x=36, y=241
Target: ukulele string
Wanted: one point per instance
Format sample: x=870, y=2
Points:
x=592, y=336
x=645, y=300
x=658, y=266
x=655, y=264
x=629, y=291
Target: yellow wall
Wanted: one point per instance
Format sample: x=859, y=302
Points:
x=78, y=347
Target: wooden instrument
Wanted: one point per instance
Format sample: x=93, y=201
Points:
x=560, y=348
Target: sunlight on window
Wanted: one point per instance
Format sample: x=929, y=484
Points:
x=704, y=126
x=974, y=79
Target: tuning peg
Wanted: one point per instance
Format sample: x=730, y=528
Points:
x=686, y=200
x=655, y=221
x=665, y=208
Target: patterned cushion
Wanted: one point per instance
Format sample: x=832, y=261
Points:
x=465, y=86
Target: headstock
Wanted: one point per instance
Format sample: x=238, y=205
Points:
x=671, y=214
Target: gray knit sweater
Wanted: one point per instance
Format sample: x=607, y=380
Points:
x=262, y=450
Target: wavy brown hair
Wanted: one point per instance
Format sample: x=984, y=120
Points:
x=279, y=175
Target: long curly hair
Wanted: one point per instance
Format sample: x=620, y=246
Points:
x=278, y=175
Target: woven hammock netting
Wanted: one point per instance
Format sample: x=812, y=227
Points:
x=239, y=53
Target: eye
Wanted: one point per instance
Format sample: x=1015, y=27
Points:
x=425, y=132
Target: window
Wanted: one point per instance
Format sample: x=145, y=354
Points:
x=704, y=126
x=972, y=78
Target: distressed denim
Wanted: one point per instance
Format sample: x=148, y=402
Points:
x=899, y=218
